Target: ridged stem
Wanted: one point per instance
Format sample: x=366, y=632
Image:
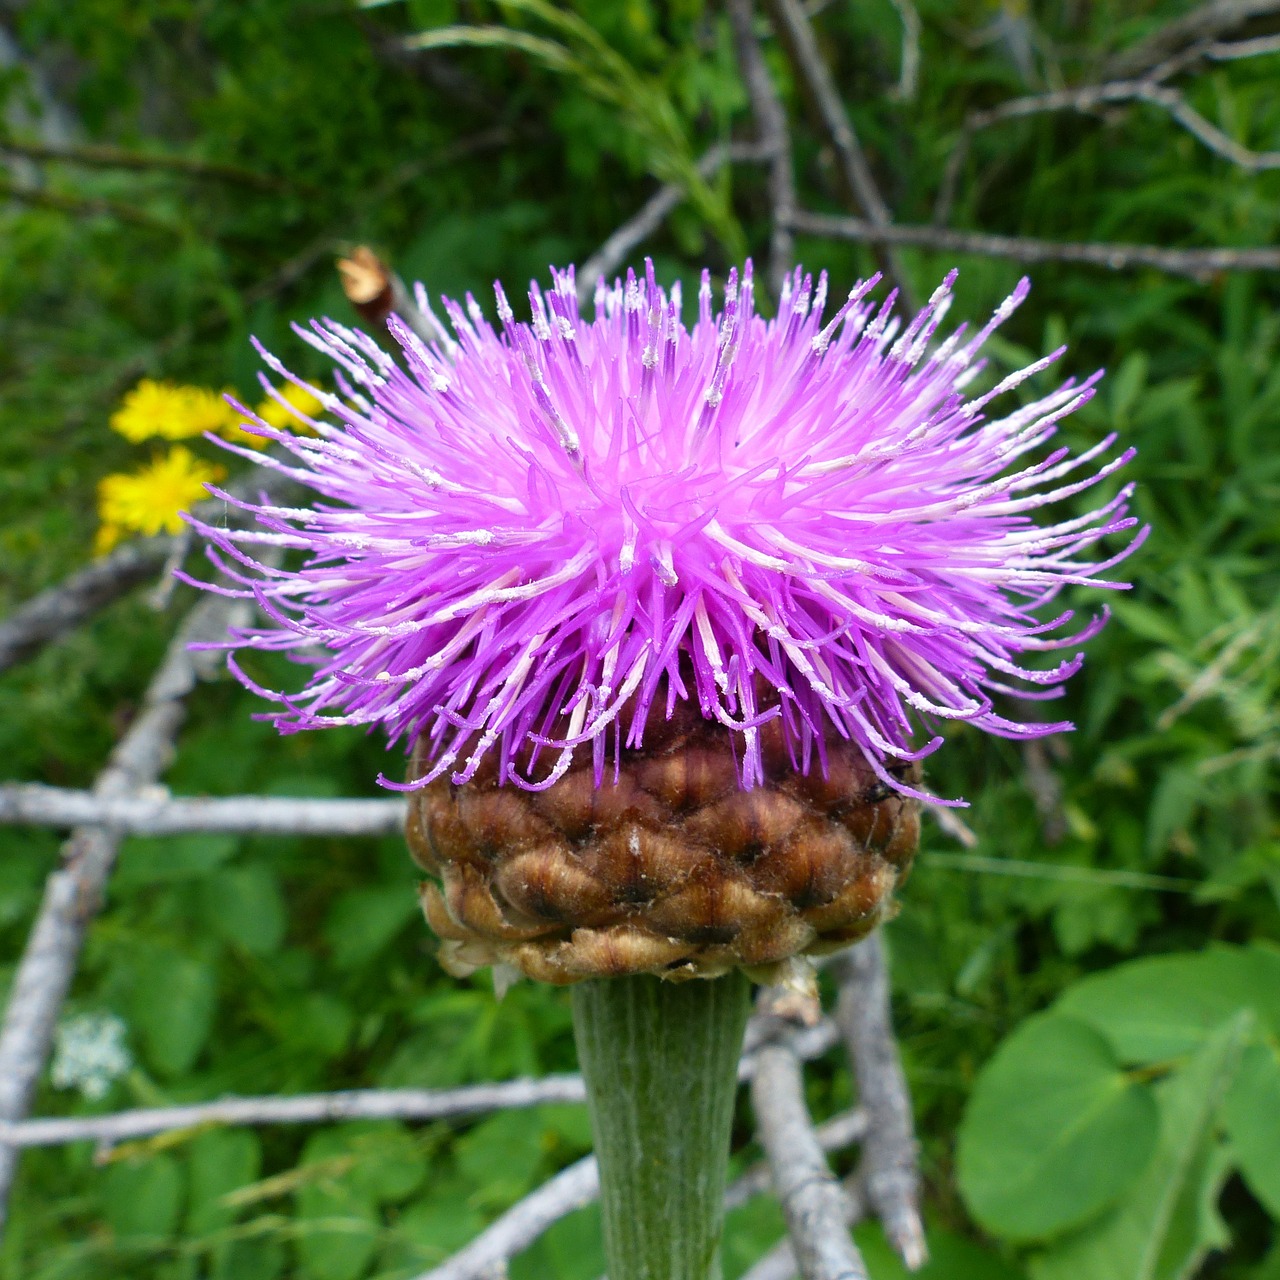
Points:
x=660, y=1061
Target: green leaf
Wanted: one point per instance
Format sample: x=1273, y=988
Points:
x=565, y=1124
x=573, y=1249
x=1270, y=1266
x=1172, y=804
x=1162, y=1008
x=365, y=1165
x=750, y=1231
x=951, y=1257
x=390, y=1163
x=1054, y=1132
x=366, y=920
x=144, y=1197
x=173, y=1005
x=1252, y=1114
x=318, y=1024
x=219, y=1162
x=248, y=1260
x=339, y=1220
x=244, y=907
x=500, y=1156
x=152, y=861
x=1166, y=1224
x=1151, y=624
x=338, y=1231
x=440, y=1224
x=381, y=1160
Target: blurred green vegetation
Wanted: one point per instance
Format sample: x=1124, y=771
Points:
x=254, y=966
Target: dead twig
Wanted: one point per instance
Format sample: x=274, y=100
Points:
x=58, y=611
x=1207, y=22
x=364, y=1104
x=487, y=1255
x=578, y=1186
x=615, y=250
x=307, y=1108
x=775, y=139
x=816, y=1208
x=857, y=182
x=1196, y=264
x=951, y=824
x=1088, y=99
x=890, y=1169
x=87, y=207
x=73, y=892
x=290, y=272
x=1229, y=51
x=780, y=1262
x=104, y=157
x=153, y=812
x=909, y=74
x=1046, y=791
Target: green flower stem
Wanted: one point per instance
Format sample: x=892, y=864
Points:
x=661, y=1061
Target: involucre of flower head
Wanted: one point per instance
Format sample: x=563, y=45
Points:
x=533, y=539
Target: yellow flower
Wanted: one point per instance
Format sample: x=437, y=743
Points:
x=303, y=402
x=148, y=501
x=169, y=411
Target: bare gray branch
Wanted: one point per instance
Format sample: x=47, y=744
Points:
x=61, y=609
x=909, y=73
x=73, y=893
x=951, y=824
x=1231, y=50
x=1194, y=263
x=58, y=611
x=890, y=1167
x=307, y=1108
x=153, y=812
x=1089, y=98
x=364, y=1104
x=578, y=1186
x=816, y=1207
x=571, y=1188
x=1207, y=22
x=856, y=179
x=775, y=138
x=615, y=250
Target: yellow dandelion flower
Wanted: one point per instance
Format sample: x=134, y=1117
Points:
x=148, y=501
x=169, y=411
x=303, y=402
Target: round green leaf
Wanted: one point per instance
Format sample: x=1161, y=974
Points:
x=143, y=1198
x=1054, y=1132
x=1165, y=1007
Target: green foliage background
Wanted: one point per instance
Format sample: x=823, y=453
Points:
x=255, y=966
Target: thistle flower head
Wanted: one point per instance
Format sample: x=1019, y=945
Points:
x=533, y=539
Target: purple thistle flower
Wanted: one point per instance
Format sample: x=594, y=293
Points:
x=531, y=541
